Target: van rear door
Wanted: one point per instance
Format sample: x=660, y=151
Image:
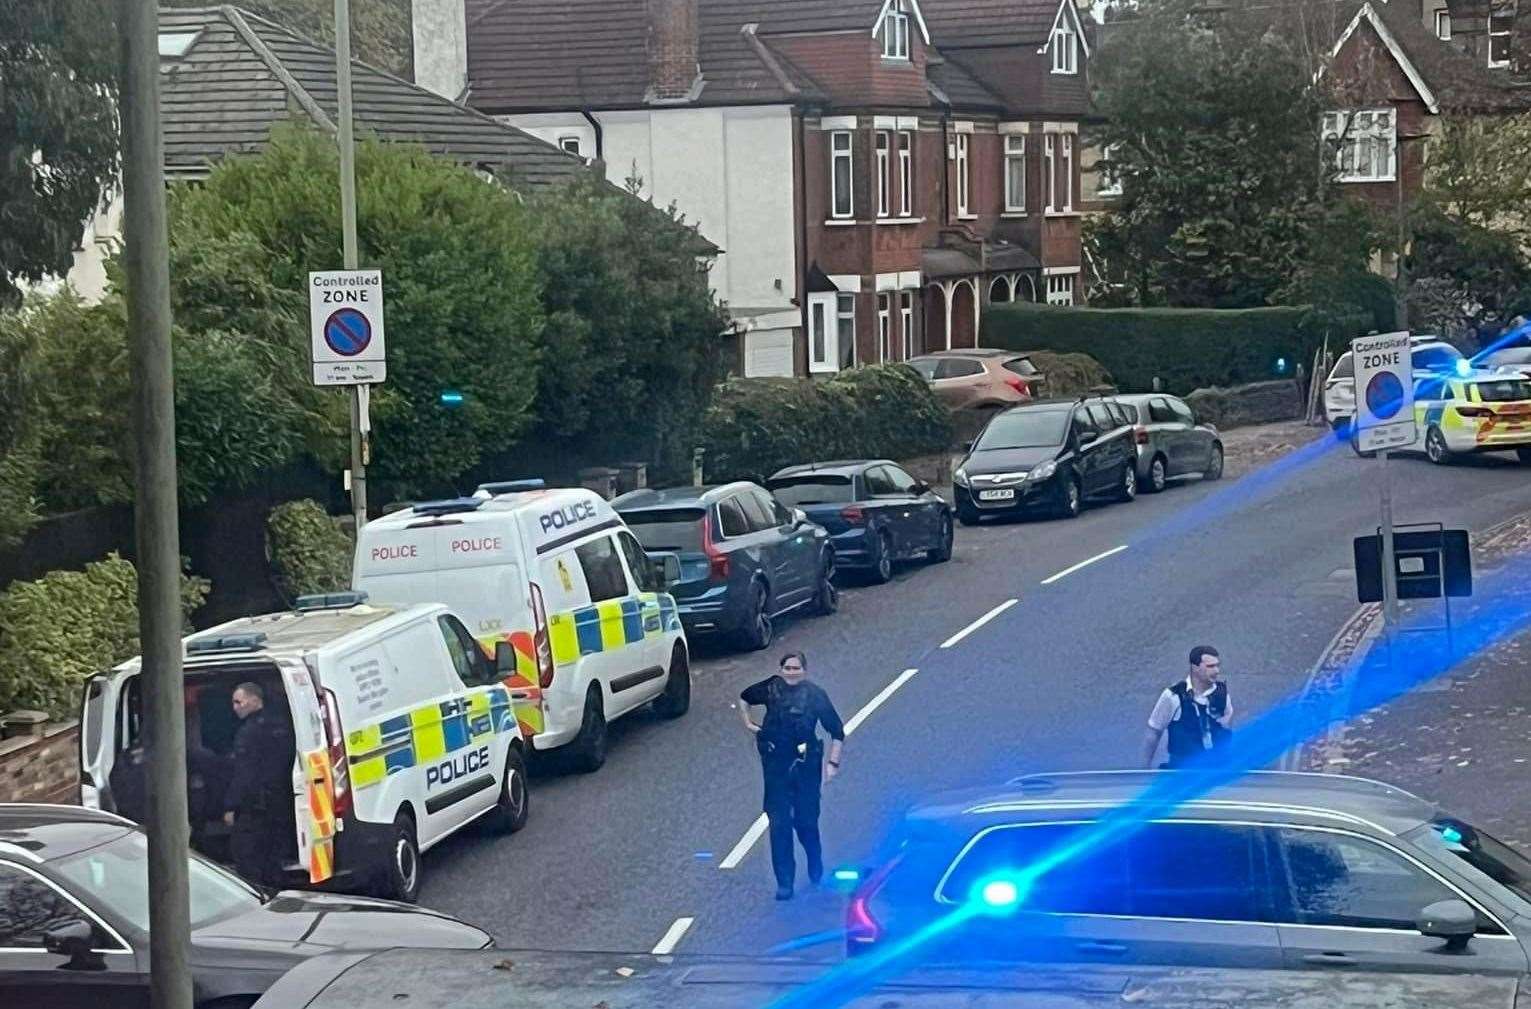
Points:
x=98, y=702
x=313, y=778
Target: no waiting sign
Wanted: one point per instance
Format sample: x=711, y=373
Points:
x=1384, y=391
x=345, y=311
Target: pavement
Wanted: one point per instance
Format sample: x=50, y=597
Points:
x=1040, y=646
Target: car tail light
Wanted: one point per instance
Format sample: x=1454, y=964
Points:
x=1474, y=411
x=860, y=925
x=340, y=767
x=717, y=560
x=1140, y=435
x=542, y=643
x=855, y=515
x=1019, y=384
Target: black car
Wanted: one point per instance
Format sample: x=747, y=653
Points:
x=875, y=512
x=1049, y=455
x=74, y=919
x=745, y=558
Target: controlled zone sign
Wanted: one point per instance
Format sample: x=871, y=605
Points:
x=1384, y=391
x=345, y=311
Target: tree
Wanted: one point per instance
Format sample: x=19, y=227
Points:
x=380, y=29
x=58, y=132
x=18, y=431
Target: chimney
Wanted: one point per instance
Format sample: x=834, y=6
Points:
x=440, y=36
x=673, y=66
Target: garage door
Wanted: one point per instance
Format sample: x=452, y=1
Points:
x=768, y=353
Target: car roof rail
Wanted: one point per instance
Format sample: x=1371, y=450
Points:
x=512, y=487
x=247, y=641
x=450, y=506
x=329, y=601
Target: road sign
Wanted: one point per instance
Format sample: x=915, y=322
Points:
x=345, y=310
x=1384, y=391
x=1428, y=564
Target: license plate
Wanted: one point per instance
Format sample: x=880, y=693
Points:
x=1007, y=494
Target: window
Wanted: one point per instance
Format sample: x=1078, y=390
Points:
x=1104, y=419
x=1210, y=872
x=1429, y=388
x=1065, y=55
x=1066, y=169
x=1504, y=390
x=758, y=511
x=1094, y=881
x=999, y=290
x=571, y=145
x=885, y=327
x=1025, y=429
x=1109, y=181
x=1050, y=170
x=1443, y=358
x=174, y=45
x=467, y=657
x=845, y=318
x=831, y=349
x=906, y=321
x=1183, y=413
x=29, y=907
x=906, y=174
x=603, y=570
x=731, y=518
x=1500, y=23
x=818, y=488
x=903, y=483
x=1020, y=366
x=879, y=482
x=638, y=563
x=669, y=529
x=962, y=173
x=1487, y=854
x=116, y=875
x=1364, y=143
x=1015, y=173
x=1060, y=289
x=818, y=337
x=895, y=31
x=1159, y=412
x=884, y=174
x=1443, y=25
x=840, y=204
x=958, y=367
x=1337, y=879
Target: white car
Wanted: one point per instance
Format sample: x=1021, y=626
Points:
x=1429, y=353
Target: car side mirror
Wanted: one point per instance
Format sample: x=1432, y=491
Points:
x=504, y=659
x=666, y=569
x=74, y=939
x=1451, y=920
x=921, y=487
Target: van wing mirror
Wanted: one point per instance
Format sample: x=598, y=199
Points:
x=1452, y=920
x=504, y=659
x=666, y=568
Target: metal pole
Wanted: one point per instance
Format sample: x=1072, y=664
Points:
x=349, y=257
x=1389, y=560
x=146, y=256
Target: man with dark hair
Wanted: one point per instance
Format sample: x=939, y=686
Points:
x=792, y=762
x=259, y=800
x=1196, y=713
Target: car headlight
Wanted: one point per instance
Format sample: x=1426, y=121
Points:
x=960, y=477
x=1043, y=471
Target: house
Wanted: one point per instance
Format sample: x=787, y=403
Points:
x=228, y=76
x=873, y=170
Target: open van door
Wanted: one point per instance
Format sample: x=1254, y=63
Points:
x=98, y=707
x=313, y=778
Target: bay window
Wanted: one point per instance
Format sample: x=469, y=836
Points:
x=1364, y=144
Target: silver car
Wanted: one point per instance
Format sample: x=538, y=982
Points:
x=1170, y=442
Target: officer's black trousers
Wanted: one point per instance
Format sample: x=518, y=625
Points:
x=792, y=803
x=258, y=845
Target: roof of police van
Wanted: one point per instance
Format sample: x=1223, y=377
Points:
x=495, y=505
x=300, y=631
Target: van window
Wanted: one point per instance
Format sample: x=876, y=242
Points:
x=467, y=657
x=603, y=569
x=638, y=563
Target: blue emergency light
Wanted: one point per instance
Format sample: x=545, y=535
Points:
x=847, y=876
x=1000, y=893
x=451, y=398
x=1464, y=367
x=1451, y=835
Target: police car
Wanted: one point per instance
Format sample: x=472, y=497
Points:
x=558, y=576
x=1474, y=411
x=403, y=729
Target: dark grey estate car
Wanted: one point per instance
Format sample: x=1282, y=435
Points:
x=1275, y=870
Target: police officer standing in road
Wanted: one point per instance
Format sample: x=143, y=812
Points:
x=259, y=802
x=792, y=760
x=1197, y=714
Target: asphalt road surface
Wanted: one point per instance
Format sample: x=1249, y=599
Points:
x=1087, y=621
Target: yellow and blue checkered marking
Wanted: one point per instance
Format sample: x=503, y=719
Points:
x=610, y=625
x=426, y=734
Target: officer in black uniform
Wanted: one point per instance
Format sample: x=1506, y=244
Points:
x=792, y=760
x=1196, y=713
x=259, y=803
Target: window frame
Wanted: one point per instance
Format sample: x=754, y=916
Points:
x=895, y=32
x=104, y=928
x=640, y=569
x=1066, y=164
x=845, y=326
x=822, y=356
x=1351, y=141
x=723, y=533
x=884, y=148
x=1505, y=35
x=1065, y=48
x=884, y=326
x=578, y=150
x=1050, y=171
x=837, y=155
x=906, y=321
x=906, y=173
x=1015, y=157
x=1443, y=24
x=758, y=511
x=964, y=162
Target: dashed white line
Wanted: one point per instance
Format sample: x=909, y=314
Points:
x=673, y=937
x=752, y=836
x=970, y=628
x=1084, y=564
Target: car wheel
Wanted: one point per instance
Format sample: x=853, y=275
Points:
x=1158, y=475
x=827, y=599
x=676, y=699
x=882, y=559
x=588, y=751
x=1073, y=499
x=400, y=879
x=1524, y=454
x=968, y=515
x=758, y=629
x=942, y=551
x=1127, y=489
x=1214, y=465
x=510, y=812
x=1435, y=446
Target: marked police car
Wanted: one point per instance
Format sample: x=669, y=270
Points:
x=403, y=729
x=558, y=576
x=1476, y=411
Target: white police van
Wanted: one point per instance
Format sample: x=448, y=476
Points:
x=403, y=728
x=557, y=575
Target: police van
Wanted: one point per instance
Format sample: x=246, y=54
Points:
x=557, y=575
x=403, y=728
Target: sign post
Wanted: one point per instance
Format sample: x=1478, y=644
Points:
x=1384, y=421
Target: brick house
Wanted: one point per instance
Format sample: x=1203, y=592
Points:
x=873, y=170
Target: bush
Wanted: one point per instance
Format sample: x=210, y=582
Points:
x=1186, y=348
x=68, y=625
x=309, y=551
x=757, y=426
x=1070, y=374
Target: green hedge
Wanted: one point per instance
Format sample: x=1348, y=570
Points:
x=309, y=551
x=1187, y=348
x=756, y=426
x=68, y=625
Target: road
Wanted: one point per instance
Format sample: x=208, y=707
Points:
x=1087, y=621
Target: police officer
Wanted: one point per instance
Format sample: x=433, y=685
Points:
x=793, y=764
x=1196, y=713
x=258, y=803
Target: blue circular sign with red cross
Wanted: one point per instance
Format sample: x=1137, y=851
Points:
x=1384, y=395
x=347, y=332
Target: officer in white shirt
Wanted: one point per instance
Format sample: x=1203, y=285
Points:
x=1196, y=713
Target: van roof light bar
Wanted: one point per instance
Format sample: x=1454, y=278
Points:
x=512, y=486
x=450, y=506
x=249, y=641
x=329, y=601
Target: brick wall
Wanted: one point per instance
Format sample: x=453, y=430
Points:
x=42, y=768
x=672, y=47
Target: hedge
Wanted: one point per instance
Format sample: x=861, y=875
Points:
x=309, y=551
x=1186, y=348
x=757, y=426
x=57, y=631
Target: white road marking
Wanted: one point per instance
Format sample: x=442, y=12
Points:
x=1084, y=564
x=673, y=937
x=752, y=836
x=970, y=628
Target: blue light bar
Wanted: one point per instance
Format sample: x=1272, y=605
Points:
x=250, y=641
x=847, y=876
x=329, y=601
x=451, y=398
x=451, y=506
x=1464, y=367
x=513, y=486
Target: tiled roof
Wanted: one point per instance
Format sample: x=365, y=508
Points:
x=243, y=74
x=956, y=86
x=1459, y=82
x=978, y=23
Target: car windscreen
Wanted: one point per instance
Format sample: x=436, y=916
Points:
x=821, y=488
x=1487, y=854
x=925, y=366
x=677, y=529
x=1436, y=358
x=1024, y=429
x=115, y=877
x=1508, y=390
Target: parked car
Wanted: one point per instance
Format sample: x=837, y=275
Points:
x=1049, y=455
x=74, y=919
x=1510, y=358
x=1479, y=411
x=978, y=378
x=1428, y=354
x=746, y=560
x=1170, y=443
x=876, y=513
x=1271, y=870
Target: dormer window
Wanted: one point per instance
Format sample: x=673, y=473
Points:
x=1065, y=48
x=895, y=31
x=174, y=45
